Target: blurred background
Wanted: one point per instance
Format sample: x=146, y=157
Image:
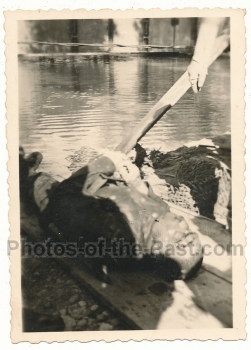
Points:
x=180, y=32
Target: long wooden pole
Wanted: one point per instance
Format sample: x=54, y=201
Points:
x=166, y=102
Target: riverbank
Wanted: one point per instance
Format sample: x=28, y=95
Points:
x=49, y=289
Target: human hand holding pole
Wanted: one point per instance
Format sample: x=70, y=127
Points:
x=209, y=30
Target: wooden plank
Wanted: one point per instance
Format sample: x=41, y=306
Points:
x=187, y=298
x=130, y=295
x=144, y=300
x=204, y=288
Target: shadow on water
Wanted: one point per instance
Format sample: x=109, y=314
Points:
x=75, y=77
x=143, y=81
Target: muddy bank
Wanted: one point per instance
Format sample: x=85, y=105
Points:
x=50, y=290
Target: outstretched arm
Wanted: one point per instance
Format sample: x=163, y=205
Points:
x=105, y=166
x=209, y=30
x=89, y=176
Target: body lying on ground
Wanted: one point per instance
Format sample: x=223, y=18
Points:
x=125, y=209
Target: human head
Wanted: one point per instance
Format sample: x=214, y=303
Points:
x=181, y=248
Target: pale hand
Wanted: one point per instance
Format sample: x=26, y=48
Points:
x=197, y=75
x=130, y=173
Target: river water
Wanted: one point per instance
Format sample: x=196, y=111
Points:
x=70, y=104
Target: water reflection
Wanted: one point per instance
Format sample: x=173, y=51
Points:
x=66, y=104
x=143, y=83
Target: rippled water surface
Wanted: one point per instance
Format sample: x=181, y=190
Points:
x=68, y=104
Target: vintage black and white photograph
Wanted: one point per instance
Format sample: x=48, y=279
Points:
x=125, y=173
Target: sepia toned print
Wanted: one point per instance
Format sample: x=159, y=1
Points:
x=125, y=193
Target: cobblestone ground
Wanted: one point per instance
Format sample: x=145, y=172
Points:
x=47, y=288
